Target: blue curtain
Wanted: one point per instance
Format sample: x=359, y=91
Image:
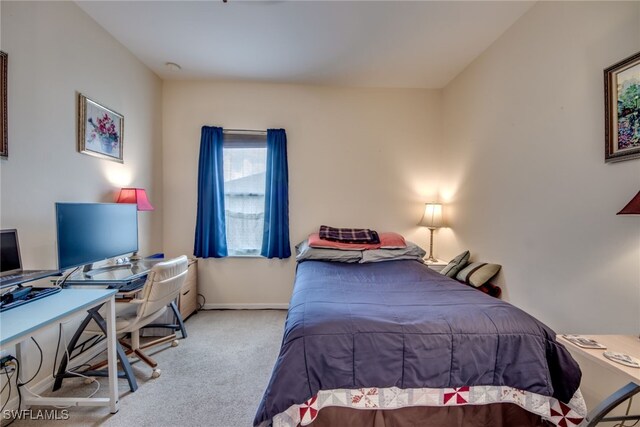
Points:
x=211, y=236
x=275, y=240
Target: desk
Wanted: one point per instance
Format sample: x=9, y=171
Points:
x=620, y=343
x=20, y=323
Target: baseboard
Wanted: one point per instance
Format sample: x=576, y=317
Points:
x=250, y=306
x=46, y=383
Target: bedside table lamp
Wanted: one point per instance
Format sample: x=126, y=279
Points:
x=432, y=219
x=139, y=197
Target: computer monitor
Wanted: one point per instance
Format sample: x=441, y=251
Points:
x=9, y=252
x=92, y=232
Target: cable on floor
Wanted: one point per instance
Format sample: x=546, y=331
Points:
x=204, y=301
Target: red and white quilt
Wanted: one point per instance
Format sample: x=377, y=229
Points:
x=549, y=408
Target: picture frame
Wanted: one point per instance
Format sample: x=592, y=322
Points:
x=100, y=130
x=4, y=116
x=622, y=110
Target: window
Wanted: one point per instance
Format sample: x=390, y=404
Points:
x=244, y=164
x=237, y=160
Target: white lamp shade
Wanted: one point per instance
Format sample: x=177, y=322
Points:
x=432, y=217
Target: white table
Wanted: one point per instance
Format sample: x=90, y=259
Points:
x=436, y=266
x=627, y=344
x=19, y=324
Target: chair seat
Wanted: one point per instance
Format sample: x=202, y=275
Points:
x=126, y=319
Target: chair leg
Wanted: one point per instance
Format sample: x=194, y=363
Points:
x=135, y=339
x=97, y=370
x=158, y=341
x=135, y=346
x=136, y=349
x=127, y=351
x=146, y=359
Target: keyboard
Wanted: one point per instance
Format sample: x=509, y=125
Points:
x=34, y=295
x=25, y=276
x=28, y=273
x=130, y=286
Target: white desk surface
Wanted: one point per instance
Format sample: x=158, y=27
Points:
x=628, y=344
x=27, y=318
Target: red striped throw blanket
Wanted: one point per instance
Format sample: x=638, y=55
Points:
x=349, y=235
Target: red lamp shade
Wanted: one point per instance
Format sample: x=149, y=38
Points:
x=137, y=196
x=633, y=207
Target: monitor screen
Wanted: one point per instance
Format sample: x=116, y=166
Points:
x=9, y=252
x=92, y=232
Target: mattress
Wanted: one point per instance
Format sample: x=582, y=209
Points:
x=397, y=334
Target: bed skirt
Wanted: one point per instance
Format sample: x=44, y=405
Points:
x=464, y=406
x=493, y=415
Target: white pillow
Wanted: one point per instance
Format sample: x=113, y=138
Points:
x=304, y=252
x=412, y=251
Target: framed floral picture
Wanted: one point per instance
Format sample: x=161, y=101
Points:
x=100, y=130
x=622, y=110
x=4, y=133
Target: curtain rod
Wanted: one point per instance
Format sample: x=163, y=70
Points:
x=248, y=131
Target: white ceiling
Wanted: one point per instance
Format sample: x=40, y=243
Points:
x=357, y=43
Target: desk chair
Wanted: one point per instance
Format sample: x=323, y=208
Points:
x=160, y=290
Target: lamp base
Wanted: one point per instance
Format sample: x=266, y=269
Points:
x=431, y=259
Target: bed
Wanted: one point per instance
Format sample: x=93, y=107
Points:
x=382, y=340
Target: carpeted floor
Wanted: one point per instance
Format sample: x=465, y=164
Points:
x=215, y=377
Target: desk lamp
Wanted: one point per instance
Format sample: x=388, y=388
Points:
x=139, y=197
x=432, y=219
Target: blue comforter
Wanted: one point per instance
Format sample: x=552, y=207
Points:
x=400, y=324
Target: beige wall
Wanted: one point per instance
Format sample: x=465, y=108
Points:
x=357, y=157
x=56, y=50
x=524, y=169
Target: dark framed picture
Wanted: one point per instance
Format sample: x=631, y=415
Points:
x=100, y=130
x=622, y=110
x=4, y=117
